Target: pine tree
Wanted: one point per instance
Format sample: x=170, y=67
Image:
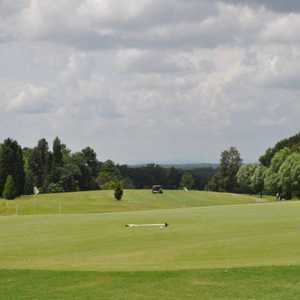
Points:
x=40, y=163
x=10, y=191
x=57, y=160
x=118, y=192
x=11, y=163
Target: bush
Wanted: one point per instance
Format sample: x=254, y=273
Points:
x=9, y=191
x=111, y=185
x=118, y=192
x=55, y=188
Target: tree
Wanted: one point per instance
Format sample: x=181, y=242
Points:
x=266, y=159
x=85, y=179
x=271, y=182
x=10, y=189
x=57, y=160
x=69, y=177
x=279, y=158
x=40, y=164
x=289, y=176
x=127, y=183
x=293, y=143
x=109, y=174
x=55, y=188
x=225, y=179
x=173, y=178
x=244, y=178
x=187, y=180
x=91, y=160
x=11, y=163
x=29, y=183
x=118, y=191
x=257, y=180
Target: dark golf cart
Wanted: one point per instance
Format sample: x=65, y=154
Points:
x=157, y=189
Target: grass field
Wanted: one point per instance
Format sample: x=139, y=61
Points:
x=103, y=201
x=231, y=251
x=268, y=283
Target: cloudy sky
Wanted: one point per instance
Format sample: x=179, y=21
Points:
x=151, y=80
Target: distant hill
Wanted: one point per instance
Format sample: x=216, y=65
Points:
x=182, y=166
x=191, y=166
x=292, y=142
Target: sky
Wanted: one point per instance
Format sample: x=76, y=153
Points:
x=151, y=80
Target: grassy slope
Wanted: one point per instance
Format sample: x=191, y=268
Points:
x=268, y=283
x=103, y=201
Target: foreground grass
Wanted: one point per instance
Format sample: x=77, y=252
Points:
x=269, y=283
x=103, y=201
x=207, y=237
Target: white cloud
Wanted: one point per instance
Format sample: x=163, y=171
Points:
x=193, y=76
x=31, y=100
x=283, y=29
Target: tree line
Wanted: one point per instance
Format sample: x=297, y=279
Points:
x=58, y=169
x=278, y=172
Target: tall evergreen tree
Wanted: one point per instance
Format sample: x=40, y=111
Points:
x=11, y=163
x=40, y=164
x=57, y=160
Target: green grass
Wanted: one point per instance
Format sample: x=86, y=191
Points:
x=103, y=201
x=208, y=237
x=210, y=251
x=268, y=283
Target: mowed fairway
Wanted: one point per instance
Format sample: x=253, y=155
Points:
x=209, y=252
x=103, y=201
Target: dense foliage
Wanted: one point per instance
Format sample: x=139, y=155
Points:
x=10, y=189
x=225, y=180
x=11, y=163
x=277, y=174
x=293, y=143
x=57, y=169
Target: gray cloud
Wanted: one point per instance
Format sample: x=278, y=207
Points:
x=276, y=5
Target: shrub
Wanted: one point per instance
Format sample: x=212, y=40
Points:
x=55, y=188
x=118, y=191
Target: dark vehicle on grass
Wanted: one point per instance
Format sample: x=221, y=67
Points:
x=157, y=189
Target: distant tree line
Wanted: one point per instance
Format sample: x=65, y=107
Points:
x=57, y=169
x=278, y=172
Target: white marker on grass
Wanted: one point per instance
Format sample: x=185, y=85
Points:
x=161, y=226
